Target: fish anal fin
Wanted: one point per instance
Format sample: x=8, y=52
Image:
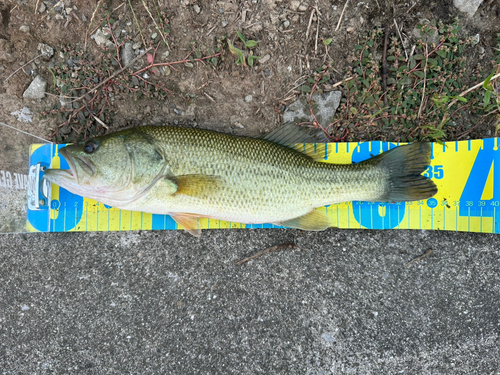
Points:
x=197, y=185
x=188, y=222
x=314, y=220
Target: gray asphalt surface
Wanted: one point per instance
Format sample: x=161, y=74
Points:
x=166, y=302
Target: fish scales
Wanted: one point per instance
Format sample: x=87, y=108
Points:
x=260, y=180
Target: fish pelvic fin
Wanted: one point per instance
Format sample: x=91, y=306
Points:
x=188, y=222
x=314, y=220
x=404, y=166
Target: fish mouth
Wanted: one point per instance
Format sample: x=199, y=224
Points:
x=72, y=161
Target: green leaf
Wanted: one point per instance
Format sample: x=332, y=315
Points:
x=432, y=61
x=197, y=54
x=441, y=53
x=357, y=46
x=251, y=58
x=487, y=81
x=311, y=80
x=391, y=81
x=487, y=96
x=305, y=88
x=328, y=41
x=251, y=43
x=418, y=56
x=461, y=99
x=240, y=35
x=391, y=58
x=419, y=73
x=213, y=60
x=236, y=51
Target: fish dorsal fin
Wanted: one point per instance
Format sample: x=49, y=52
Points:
x=314, y=220
x=300, y=138
x=188, y=222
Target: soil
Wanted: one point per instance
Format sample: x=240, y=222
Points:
x=228, y=97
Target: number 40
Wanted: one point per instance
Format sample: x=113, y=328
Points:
x=434, y=171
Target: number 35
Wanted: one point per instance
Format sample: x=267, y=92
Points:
x=434, y=171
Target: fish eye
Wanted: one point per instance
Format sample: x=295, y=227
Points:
x=90, y=146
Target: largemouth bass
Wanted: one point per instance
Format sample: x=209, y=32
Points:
x=193, y=173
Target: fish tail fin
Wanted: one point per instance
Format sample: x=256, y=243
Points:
x=405, y=165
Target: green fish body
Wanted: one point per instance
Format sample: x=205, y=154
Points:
x=192, y=173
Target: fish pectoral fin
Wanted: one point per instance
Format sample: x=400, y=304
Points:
x=314, y=220
x=196, y=185
x=188, y=222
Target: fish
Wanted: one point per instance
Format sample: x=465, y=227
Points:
x=191, y=173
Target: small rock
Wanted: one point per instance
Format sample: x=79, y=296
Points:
x=100, y=37
x=154, y=35
x=84, y=19
x=225, y=23
x=327, y=104
x=475, y=39
x=350, y=30
x=264, y=59
x=36, y=89
x=70, y=63
x=467, y=6
x=45, y=50
x=248, y=98
x=196, y=8
x=24, y=29
x=66, y=129
x=303, y=7
x=23, y=115
x=286, y=24
x=294, y=5
x=127, y=53
x=137, y=45
x=5, y=56
x=135, y=81
x=59, y=16
x=42, y=8
x=164, y=55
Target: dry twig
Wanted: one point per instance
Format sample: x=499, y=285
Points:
x=29, y=62
x=419, y=258
x=401, y=38
x=342, y=15
x=472, y=89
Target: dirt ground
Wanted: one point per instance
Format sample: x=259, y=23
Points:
x=292, y=37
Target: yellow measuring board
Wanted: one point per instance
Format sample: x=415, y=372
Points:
x=467, y=174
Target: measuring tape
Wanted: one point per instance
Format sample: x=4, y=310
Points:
x=467, y=174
